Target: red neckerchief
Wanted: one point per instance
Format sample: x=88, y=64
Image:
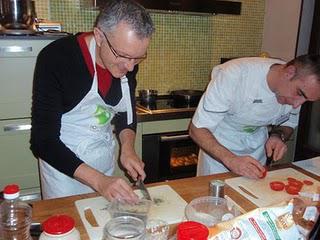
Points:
x=104, y=76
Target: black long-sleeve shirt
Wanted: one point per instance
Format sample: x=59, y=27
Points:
x=61, y=81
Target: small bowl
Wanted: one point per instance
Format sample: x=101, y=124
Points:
x=208, y=210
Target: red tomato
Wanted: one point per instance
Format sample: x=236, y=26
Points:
x=297, y=184
x=277, y=185
x=292, y=190
x=264, y=173
x=291, y=179
x=307, y=182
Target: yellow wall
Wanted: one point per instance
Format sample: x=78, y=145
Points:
x=184, y=48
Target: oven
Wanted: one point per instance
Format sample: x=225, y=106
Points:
x=170, y=155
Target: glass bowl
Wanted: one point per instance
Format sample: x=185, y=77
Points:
x=209, y=210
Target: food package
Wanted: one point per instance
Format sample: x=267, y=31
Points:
x=288, y=220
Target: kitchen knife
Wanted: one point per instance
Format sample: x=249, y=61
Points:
x=143, y=189
x=247, y=192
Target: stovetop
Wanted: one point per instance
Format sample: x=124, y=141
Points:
x=27, y=34
x=163, y=105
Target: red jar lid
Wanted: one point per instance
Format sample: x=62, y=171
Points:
x=192, y=231
x=58, y=224
x=11, y=189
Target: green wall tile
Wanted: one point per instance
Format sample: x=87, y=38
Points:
x=184, y=48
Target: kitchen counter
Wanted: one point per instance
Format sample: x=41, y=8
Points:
x=188, y=189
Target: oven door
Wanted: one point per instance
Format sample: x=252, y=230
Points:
x=169, y=156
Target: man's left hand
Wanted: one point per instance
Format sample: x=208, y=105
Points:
x=275, y=147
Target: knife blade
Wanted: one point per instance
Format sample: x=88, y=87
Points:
x=143, y=189
x=247, y=192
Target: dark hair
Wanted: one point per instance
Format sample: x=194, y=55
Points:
x=307, y=64
x=132, y=13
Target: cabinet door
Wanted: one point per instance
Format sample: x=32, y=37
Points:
x=17, y=62
x=17, y=164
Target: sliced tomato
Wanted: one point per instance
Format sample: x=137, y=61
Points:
x=264, y=173
x=277, y=185
x=291, y=179
x=307, y=182
x=297, y=184
x=292, y=190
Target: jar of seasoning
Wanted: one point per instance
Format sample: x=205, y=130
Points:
x=59, y=227
x=216, y=188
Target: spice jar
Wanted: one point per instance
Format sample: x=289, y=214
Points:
x=59, y=227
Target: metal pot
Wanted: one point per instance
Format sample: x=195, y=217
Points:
x=148, y=95
x=186, y=97
x=16, y=14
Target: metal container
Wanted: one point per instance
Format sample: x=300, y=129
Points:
x=186, y=97
x=148, y=95
x=216, y=188
x=16, y=14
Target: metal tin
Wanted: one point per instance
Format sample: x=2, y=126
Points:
x=216, y=188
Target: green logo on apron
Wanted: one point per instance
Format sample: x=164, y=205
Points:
x=102, y=115
x=249, y=129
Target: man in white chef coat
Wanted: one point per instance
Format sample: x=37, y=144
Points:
x=243, y=98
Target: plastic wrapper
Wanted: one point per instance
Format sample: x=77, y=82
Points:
x=289, y=220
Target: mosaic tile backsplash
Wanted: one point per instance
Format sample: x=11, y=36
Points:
x=184, y=48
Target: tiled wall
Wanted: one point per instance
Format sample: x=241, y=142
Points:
x=184, y=48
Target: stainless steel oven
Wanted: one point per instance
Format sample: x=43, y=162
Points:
x=169, y=155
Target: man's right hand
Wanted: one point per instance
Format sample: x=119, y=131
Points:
x=245, y=166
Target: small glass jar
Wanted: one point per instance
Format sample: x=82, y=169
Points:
x=124, y=227
x=59, y=227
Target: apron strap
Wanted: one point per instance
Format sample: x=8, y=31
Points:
x=126, y=94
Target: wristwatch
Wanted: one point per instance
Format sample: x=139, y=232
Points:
x=279, y=134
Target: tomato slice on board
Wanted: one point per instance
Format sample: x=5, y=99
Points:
x=291, y=179
x=292, y=190
x=297, y=184
x=264, y=173
x=307, y=182
x=277, y=185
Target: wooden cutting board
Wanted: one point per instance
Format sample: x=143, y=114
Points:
x=261, y=189
x=171, y=209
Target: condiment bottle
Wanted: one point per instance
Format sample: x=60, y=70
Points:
x=59, y=227
x=191, y=230
x=15, y=215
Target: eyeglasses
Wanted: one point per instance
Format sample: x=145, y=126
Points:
x=117, y=55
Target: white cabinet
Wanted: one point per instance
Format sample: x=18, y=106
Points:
x=17, y=62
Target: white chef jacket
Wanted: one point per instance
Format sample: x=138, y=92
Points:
x=237, y=107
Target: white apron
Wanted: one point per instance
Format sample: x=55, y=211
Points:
x=245, y=132
x=87, y=131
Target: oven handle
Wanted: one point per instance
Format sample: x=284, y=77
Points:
x=174, y=138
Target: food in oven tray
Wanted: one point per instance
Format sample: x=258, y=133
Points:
x=181, y=161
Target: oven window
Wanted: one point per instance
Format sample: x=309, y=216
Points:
x=183, y=156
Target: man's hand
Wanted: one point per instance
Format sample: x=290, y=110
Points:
x=133, y=164
x=275, y=147
x=116, y=188
x=245, y=166
x=112, y=188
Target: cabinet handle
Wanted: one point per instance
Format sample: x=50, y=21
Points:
x=15, y=49
x=174, y=138
x=14, y=128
